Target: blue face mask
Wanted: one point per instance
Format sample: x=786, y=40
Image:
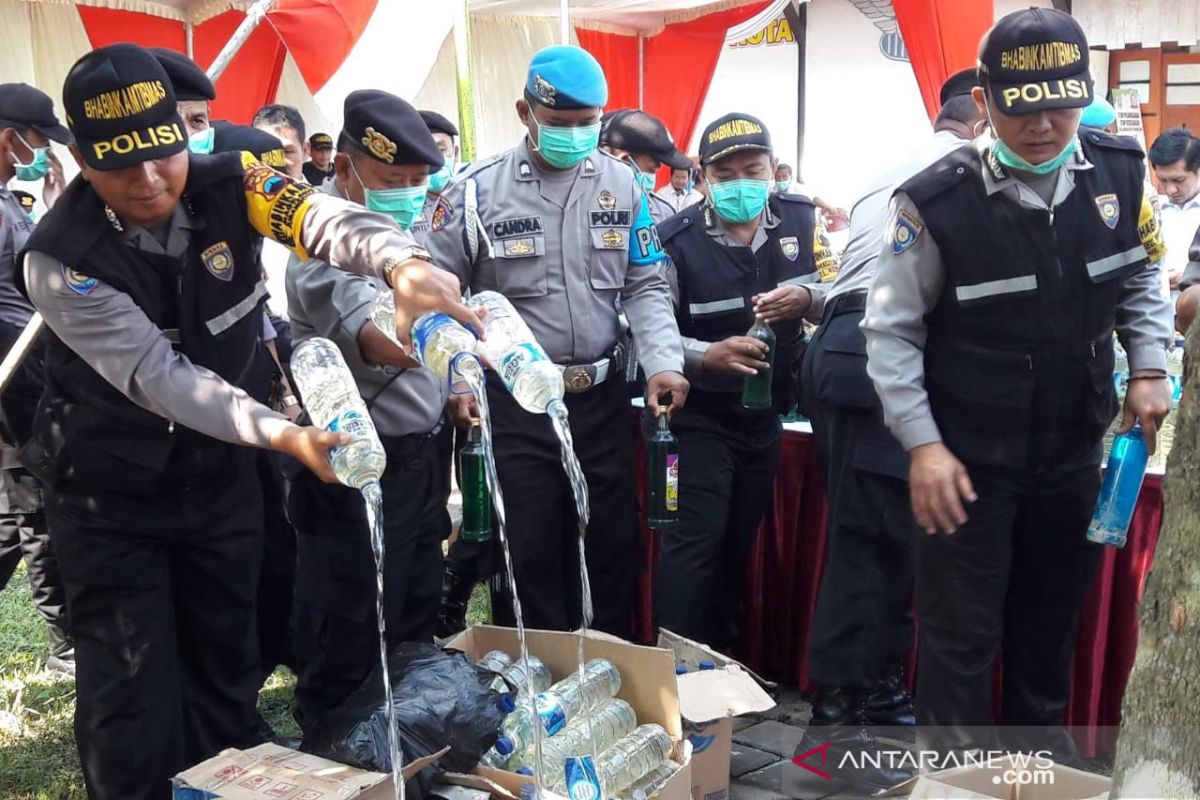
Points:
x=439, y=179
x=402, y=205
x=36, y=169
x=740, y=200
x=201, y=142
x=565, y=147
x=646, y=179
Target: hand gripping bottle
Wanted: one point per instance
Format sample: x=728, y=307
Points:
x=510, y=349
x=1120, y=489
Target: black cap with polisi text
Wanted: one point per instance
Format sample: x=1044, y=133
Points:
x=189, y=81
x=730, y=134
x=1035, y=59
x=389, y=129
x=120, y=108
x=320, y=141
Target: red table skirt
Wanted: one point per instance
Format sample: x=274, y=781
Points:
x=784, y=574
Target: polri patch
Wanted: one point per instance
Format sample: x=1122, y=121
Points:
x=908, y=229
x=218, y=260
x=619, y=218
x=77, y=282
x=790, y=245
x=1110, y=210
x=442, y=211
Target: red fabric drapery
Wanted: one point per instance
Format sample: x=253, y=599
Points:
x=784, y=577
x=248, y=83
x=942, y=37
x=320, y=33
x=678, y=67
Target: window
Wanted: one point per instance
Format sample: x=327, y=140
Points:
x=1136, y=75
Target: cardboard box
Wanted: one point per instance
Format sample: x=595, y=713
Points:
x=647, y=684
x=708, y=702
x=271, y=772
x=1006, y=779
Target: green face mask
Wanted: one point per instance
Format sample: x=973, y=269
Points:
x=201, y=142
x=565, y=147
x=402, y=205
x=36, y=169
x=439, y=179
x=646, y=179
x=1009, y=158
x=782, y=186
x=740, y=200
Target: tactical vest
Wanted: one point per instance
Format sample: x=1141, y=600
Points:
x=208, y=302
x=1019, y=356
x=716, y=283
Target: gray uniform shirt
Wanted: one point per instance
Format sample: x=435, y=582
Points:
x=116, y=338
x=565, y=249
x=329, y=302
x=869, y=216
x=15, y=227
x=908, y=285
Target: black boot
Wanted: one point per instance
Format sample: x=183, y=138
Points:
x=456, y=595
x=889, y=706
x=61, y=657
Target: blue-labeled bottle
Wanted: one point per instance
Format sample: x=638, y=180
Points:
x=1120, y=489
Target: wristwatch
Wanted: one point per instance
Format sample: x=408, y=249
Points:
x=402, y=256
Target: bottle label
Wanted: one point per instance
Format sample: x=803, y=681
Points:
x=516, y=359
x=552, y=715
x=672, y=482
x=424, y=330
x=582, y=781
x=353, y=423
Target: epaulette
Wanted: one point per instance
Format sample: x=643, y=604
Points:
x=1102, y=139
x=672, y=226
x=794, y=198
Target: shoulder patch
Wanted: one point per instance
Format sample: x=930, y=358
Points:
x=442, y=212
x=1109, y=207
x=1112, y=142
x=77, y=282
x=218, y=260
x=905, y=232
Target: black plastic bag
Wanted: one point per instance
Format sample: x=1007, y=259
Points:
x=441, y=698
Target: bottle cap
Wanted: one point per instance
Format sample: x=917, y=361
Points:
x=507, y=704
x=504, y=746
x=681, y=669
x=705, y=665
x=524, y=771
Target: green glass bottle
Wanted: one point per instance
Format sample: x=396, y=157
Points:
x=476, y=499
x=756, y=391
x=663, y=460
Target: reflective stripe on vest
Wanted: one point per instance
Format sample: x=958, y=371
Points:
x=978, y=291
x=716, y=306
x=227, y=319
x=801, y=280
x=1103, y=266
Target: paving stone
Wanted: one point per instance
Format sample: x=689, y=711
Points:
x=773, y=737
x=747, y=759
x=745, y=722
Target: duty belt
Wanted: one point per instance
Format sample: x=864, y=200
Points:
x=578, y=378
x=846, y=303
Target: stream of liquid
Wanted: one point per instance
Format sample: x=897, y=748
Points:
x=373, y=496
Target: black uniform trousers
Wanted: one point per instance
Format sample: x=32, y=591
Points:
x=1009, y=583
x=336, y=625
x=543, y=526
x=160, y=594
x=862, y=624
x=727, y=461
x=277, y=578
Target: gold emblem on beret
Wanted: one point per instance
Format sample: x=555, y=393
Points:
x=544, y=90
x=379, y=145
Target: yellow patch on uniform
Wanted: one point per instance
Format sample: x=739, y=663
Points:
x=77, y=282
x=613, y=239
x=1150, y=231
x=218, y=260
x=606, y=201
x=826, y=261
x=379, y=145
x=275, y=204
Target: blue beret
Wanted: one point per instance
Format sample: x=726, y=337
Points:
x=1100, y=114
x=566, y=77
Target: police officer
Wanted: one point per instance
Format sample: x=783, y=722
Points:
x=193, y=94
x=27, y=202
x=444, y=134
x=989, y=340
x=384, y=160
x=319, y=167
x=734, y=256
x=564, y=232
x=643, y=141
x=145, y=272
x=862, y=629
x=27, y=126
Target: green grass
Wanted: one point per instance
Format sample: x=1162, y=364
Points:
x=38, y=760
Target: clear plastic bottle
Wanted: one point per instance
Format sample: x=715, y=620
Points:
x=1119, y=491
x=510, y=349
x=626, y=762
x=1166, y=431
x=495, y=660
x=1120, y=384
x=333, y=403
x=440, y=342
x=648, y=784
x=563, y=702
x=611, y=722
x=530, y=676
x=500, y=753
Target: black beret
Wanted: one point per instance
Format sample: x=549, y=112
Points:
x=438, y=124
x=190, y=82
x=388, y=129
x=961, y=82
x=231, y=138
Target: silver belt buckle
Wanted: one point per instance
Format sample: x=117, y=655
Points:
x=578, y=378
